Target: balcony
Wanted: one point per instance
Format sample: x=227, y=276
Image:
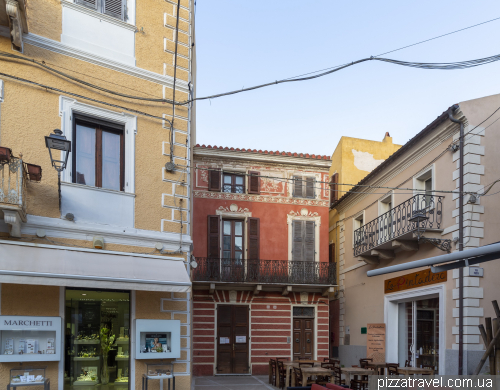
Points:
x=394, y=230
x=13, y=179
x=264, y=272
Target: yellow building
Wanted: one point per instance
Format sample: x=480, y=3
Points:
x=94, y=269
x=352, y=160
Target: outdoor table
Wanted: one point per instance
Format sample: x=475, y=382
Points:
x=379, y=366
x=290, y=379
x=407, y=371
x=348, y=371
x=309, y=371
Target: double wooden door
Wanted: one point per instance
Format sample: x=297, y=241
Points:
x=303, y=338
x=232, y=339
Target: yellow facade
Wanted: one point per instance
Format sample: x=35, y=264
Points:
x=139, y=62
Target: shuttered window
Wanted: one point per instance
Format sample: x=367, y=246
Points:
x=253, y=182
x=303, y=187
x=114, y=8
x=253, y=238
x=304, y=247
x=334, y=188
x=214, y=180
x=213, y=238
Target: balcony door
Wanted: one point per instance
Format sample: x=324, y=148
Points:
x=232, y=249
x=232, y=339
x=304, y=267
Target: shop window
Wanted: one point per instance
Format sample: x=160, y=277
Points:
x=303, y=187
x=97, y=346
x=98, y=154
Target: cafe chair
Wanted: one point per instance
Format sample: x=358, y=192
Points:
x=335, y=362
x=337, y=375
x=407, y=363
x=363, y=363
x=360, y=383
x=392, y=369
x=324, y=379
x=281, y=374
x=299, y=377
x=272, y=376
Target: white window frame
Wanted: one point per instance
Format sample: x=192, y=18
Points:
x=420, y=178
x=68, y=107
x=355, y=219
x=128, y=17
x=317, y=221
x=388, y=198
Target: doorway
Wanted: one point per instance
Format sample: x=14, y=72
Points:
x=303, y=338
x=232, y=339
x=419, y=333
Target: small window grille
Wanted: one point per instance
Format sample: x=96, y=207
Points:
x=303, y=312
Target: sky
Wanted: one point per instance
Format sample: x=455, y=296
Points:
x=244, y=43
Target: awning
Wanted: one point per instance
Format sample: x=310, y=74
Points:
x=27, y=263
x=453, y=260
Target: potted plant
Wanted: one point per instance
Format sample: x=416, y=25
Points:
x=107, y=340
x=34, y=172
x=5, y=154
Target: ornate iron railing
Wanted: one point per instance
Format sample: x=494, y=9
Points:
x=264, y=271
x=397, y=222
x=13, y=183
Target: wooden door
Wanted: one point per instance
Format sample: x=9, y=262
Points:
x=232, y=339
x=303, y=338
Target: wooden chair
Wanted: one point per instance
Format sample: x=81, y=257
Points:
x=392, y=369
x=337, y=375
x=299, y=377
x=407, y=363
x=324, y=379
x=360, y=384
x=363, y=363
x=335, y=362
x=281, y=374
x=272, y=377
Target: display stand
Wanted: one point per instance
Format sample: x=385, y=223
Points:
x=29, y=376
x=159, y=372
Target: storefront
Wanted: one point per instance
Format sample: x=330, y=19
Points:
x=86, y=319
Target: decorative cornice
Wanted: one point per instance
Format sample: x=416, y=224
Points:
x=58, y=47
x=303, y=213
x=268, y=158
x=259, y=198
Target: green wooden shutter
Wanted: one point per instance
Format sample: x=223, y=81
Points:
x=298, y=242
x=309, y=241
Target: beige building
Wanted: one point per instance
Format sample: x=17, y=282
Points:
x=94, y=270
x=417, y=217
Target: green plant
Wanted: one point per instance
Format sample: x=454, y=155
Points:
x=107, y=340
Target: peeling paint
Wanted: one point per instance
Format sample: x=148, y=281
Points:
x=365, y=161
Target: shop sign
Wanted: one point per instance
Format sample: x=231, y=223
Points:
x=375, y=342
x=414, y=280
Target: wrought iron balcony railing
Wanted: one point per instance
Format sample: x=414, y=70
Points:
x=13, y=184
x=397, y=222
x=264, y=271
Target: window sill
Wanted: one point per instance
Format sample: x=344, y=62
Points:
x=98, y=15
x=98, y=189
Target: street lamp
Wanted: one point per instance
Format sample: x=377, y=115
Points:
x=57, y=141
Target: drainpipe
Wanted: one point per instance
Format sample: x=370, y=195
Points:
x=460, y=247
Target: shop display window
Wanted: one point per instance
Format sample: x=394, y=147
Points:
x=158, y=339
x=28, y=376
x=30, y=339
x=97, y=350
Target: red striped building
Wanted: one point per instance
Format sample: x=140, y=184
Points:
x=264, y=274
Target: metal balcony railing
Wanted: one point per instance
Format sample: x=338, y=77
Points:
x=13, y=183
x=264, y=271
x=397, y=222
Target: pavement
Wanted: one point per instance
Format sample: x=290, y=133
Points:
x=232, y=382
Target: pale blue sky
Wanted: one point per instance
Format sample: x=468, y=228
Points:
x=244, y=43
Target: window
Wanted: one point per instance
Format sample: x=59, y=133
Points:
x=387, y=214
x=115, y=8
x=303, y=186
x=304, y=243
x=358, y=222
x=234, y=183
x=424, y=185
x=98, y=154
x=232, y=239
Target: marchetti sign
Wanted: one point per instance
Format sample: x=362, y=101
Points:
x=414, y=280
